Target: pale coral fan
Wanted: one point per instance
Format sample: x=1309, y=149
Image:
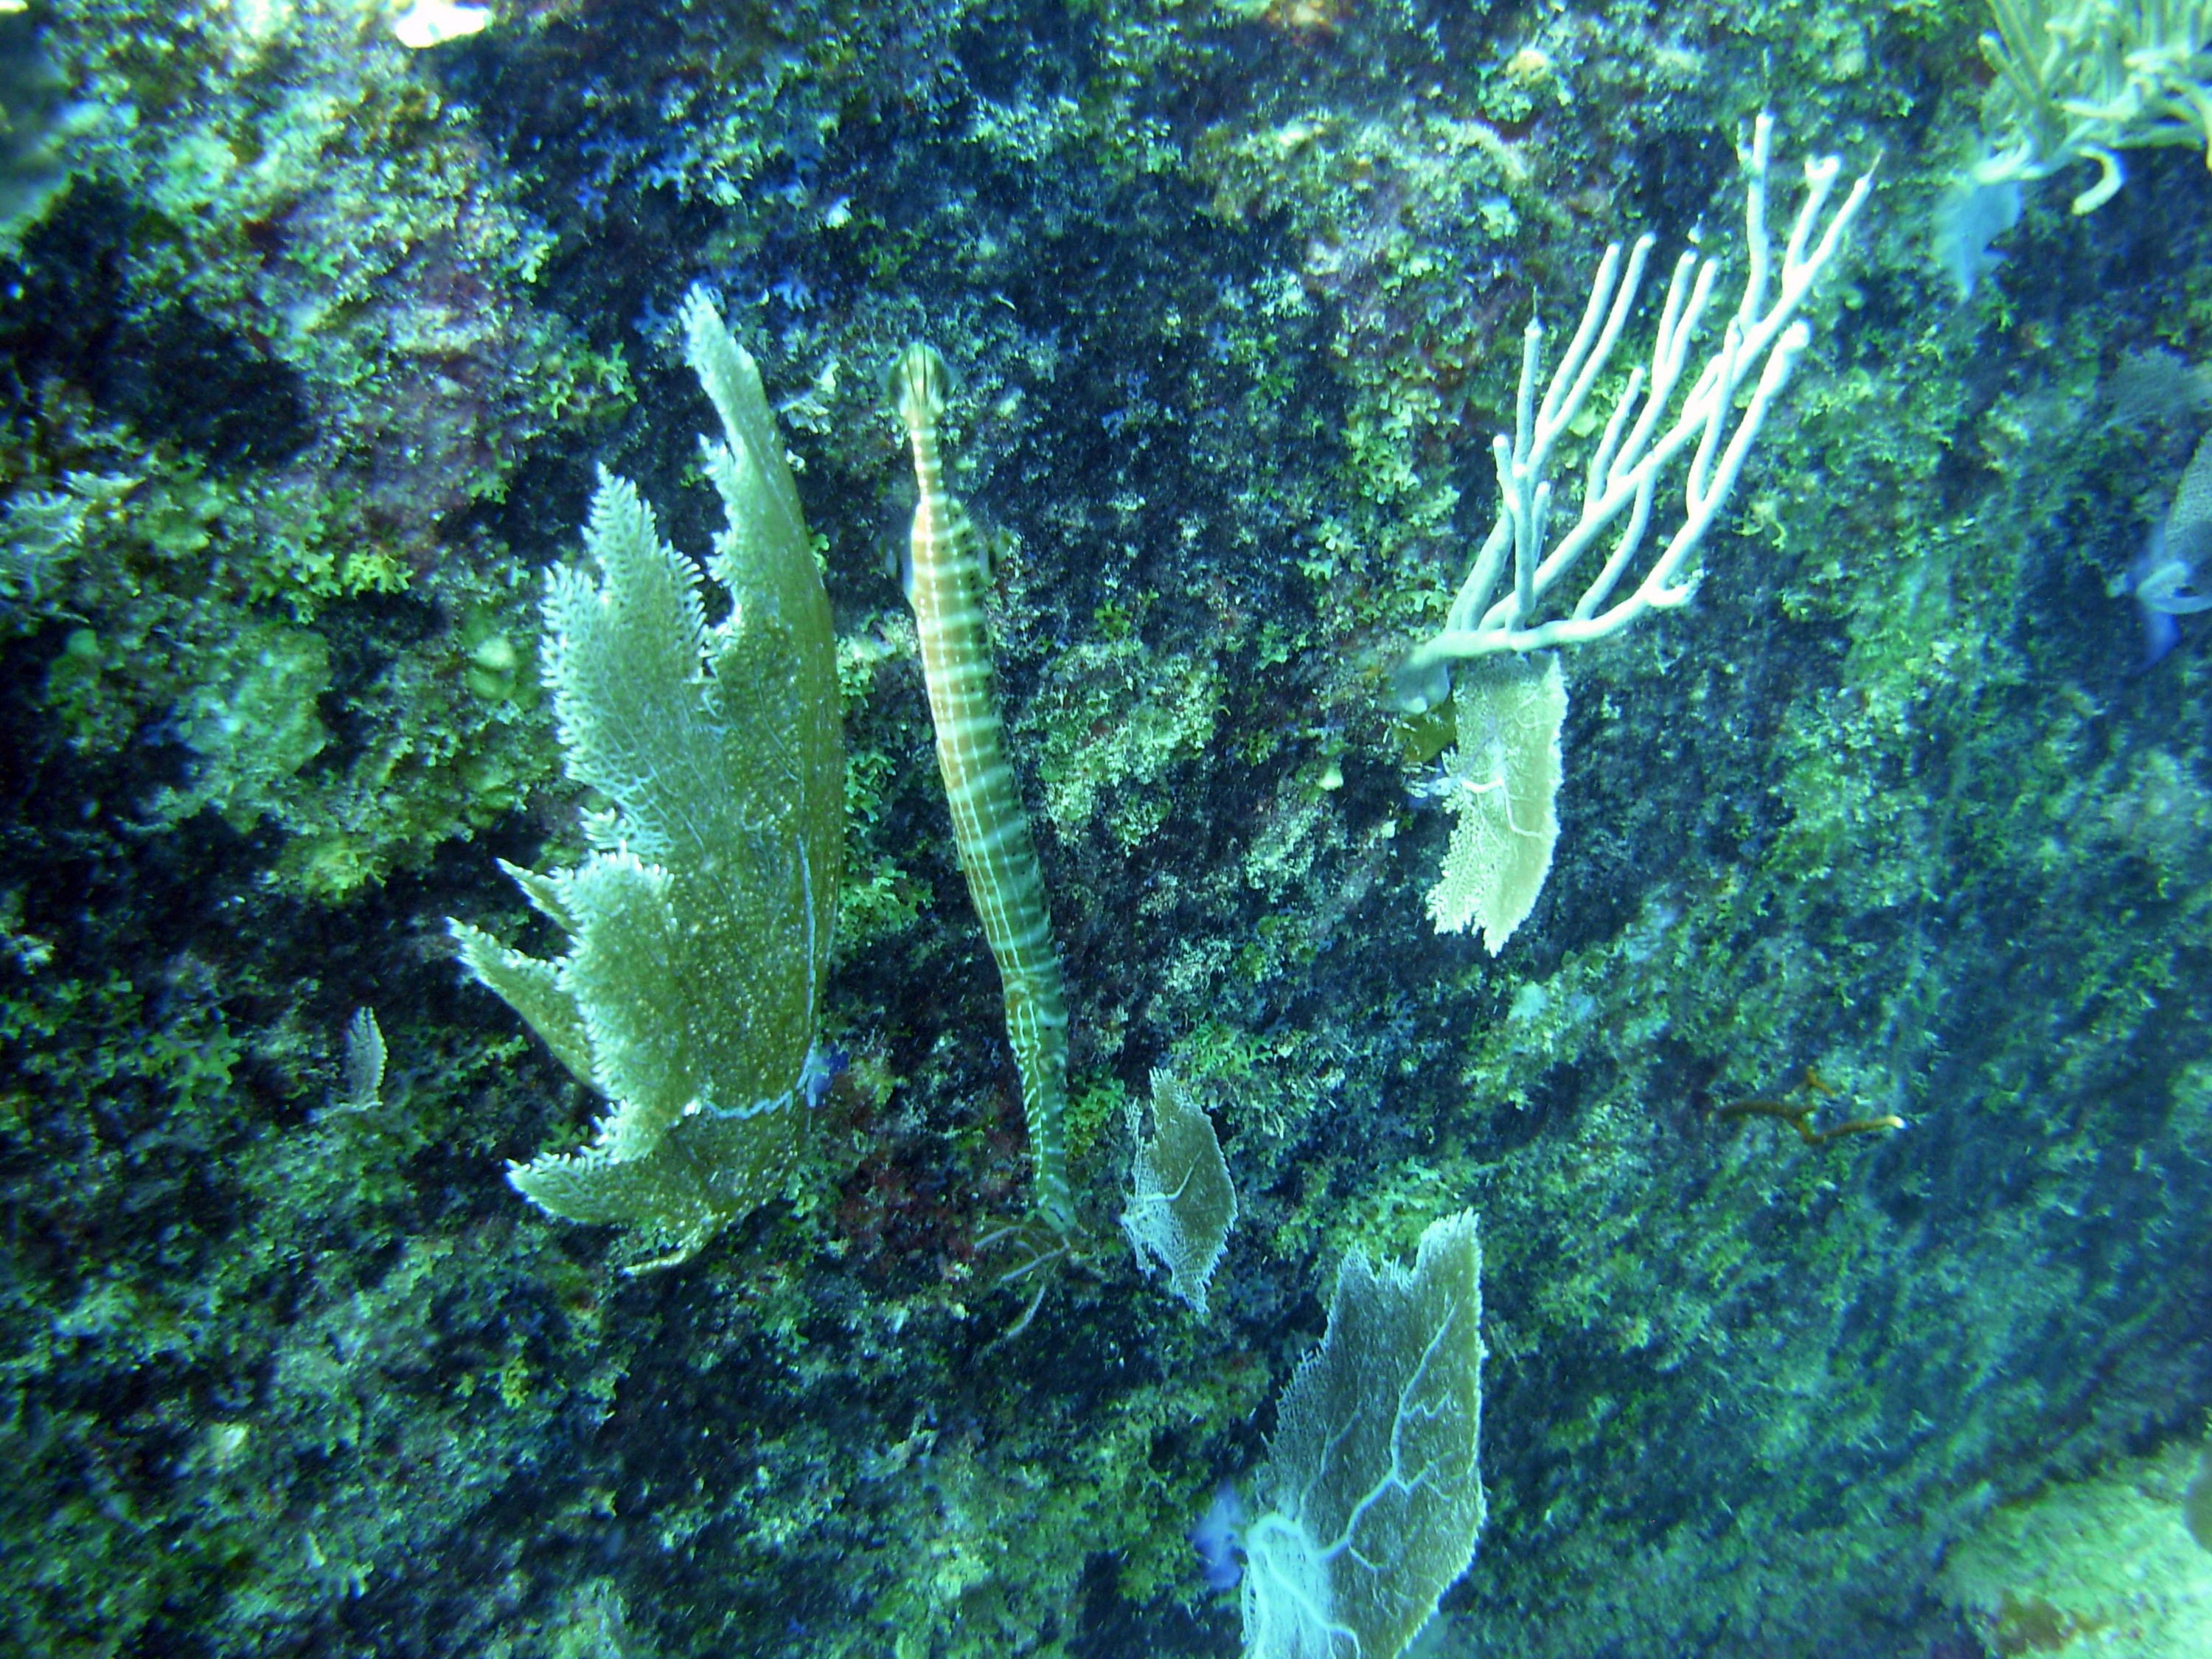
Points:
x=1182, y=1205
x=1371, y=1497
x=1501, y=783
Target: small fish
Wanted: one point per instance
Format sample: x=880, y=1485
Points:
x=2174, y=560
x=818, y=1073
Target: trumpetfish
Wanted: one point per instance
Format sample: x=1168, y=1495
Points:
x=945, y=583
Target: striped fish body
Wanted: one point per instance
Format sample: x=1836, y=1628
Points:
x=990, y=827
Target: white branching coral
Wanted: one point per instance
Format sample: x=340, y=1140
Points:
x=1664, y=423
x=1539, y=582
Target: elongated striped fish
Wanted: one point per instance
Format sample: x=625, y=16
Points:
x=944, y=584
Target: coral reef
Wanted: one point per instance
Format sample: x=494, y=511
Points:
x=312, y=346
